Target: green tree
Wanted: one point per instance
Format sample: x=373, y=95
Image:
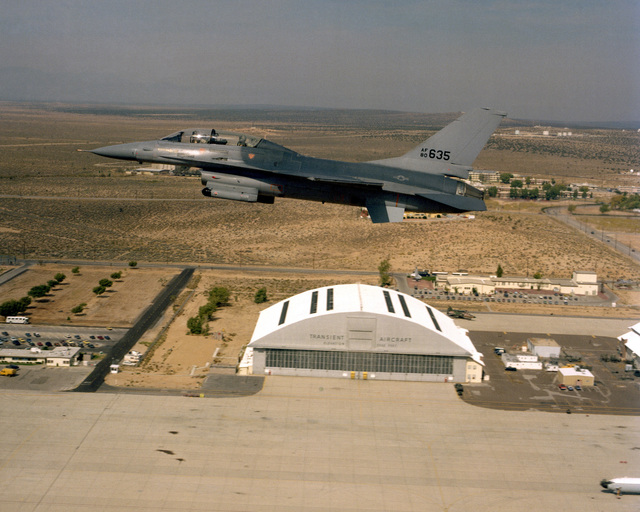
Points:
x=537, y=275
x=499, y=271
x=205, y=312
x=505, y=177
x=384, y=270
x=219, y=296
x=133, y=263
x=194, y=324
x=116, y=275
x=9, y=308
x=571, y=208
x=516, y=184
x=59, y=277
x=260, y=296
x=24, y=304
x=99, y=290
x=75, y=270
x=52, y=283
x=604, y=208
x=39, y=291
x=492, y=191
x=105, y=283
x=78, y=309
x=584, y=191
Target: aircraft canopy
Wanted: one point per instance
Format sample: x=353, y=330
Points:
x=212, y=136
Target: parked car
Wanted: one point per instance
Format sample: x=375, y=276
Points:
x=562, y=387
x=578, y=387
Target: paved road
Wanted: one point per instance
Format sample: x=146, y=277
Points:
x=547, y=324
x=149, y=317
x=558, y=212
x=243, y=268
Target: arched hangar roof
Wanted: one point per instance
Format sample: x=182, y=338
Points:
x=326, y=318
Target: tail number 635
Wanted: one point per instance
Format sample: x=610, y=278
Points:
x=436, y=154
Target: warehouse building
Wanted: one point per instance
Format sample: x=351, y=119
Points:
x=59, y=356
x=361, y=331
x=631, y=342
x=576, y=376
x=544, y=347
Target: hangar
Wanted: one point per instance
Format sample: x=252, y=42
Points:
x=361, y=331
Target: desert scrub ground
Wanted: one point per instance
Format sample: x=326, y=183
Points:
x=77, y=205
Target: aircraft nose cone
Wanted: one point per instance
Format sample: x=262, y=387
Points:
x=121, y=151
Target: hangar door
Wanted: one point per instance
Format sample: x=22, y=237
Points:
x=361, y=333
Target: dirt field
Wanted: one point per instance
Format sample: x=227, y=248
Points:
x=118, y=307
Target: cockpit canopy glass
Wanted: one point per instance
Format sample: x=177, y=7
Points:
x=212, y=136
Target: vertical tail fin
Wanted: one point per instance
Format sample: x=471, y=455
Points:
x=452, y=150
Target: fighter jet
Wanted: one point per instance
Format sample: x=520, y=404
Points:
x=241, y=167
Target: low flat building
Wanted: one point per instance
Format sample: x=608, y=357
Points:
x=581, y=283
x=63, y=356
x=544, y=347
x=17, y=355
x=575, y=376
x=521, y=361
x=59, y=356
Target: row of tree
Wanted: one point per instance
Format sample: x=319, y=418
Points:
x=218, y=296
x=15, y=307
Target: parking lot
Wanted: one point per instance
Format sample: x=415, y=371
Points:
x=93, y=341
x=615, y=392
x=90, y=339
x=529, y=297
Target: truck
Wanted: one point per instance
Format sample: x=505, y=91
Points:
x=8, y=372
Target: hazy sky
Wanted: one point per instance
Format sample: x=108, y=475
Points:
x=540, y=59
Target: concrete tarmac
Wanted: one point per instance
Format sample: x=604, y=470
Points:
x=548, y=324
x=306, y=444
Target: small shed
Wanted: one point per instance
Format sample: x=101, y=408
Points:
x=575, y=376
x=544, y=347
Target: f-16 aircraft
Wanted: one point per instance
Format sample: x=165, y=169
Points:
x=246, y=168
